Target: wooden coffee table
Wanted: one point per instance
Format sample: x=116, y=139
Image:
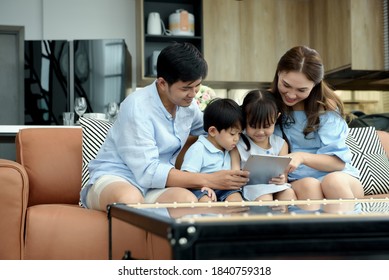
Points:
x=322, y=229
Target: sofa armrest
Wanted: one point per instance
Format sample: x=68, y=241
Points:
x=13, y=204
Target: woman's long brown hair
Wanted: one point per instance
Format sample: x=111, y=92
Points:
x=321, y=98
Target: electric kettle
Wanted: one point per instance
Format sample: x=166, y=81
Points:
x=181, y=23
x=154, y=24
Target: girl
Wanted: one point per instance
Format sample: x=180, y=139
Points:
x=261, y=112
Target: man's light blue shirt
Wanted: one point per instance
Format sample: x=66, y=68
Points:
x=143, y=144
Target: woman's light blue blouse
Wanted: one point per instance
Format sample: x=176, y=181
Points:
x=328, y=139
x=143, y=144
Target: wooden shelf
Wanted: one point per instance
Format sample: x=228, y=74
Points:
x=358, y=102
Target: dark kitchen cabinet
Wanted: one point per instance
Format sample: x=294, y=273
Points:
x=148, y=46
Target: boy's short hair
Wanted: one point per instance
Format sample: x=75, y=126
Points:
x=223, y=113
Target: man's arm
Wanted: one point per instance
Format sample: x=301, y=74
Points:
x=222, y=180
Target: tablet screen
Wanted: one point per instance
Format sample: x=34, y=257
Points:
x=264, y=167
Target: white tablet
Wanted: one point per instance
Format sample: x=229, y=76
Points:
x=264, y=167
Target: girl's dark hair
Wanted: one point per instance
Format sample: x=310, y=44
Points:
x=223, y=113
x=307, y=61
x=181, y=62
x=260, y=110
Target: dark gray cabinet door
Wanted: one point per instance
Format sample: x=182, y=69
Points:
x=11, y=75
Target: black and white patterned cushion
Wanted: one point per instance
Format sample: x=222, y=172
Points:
x=93, y=136
x=369, y=157
x=381, y=207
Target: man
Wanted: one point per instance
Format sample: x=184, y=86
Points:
x=136, y=162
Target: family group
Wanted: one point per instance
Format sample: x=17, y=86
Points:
x=299, y=116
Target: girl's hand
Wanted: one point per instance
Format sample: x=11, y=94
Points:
x=211, y=193
x=278, y=180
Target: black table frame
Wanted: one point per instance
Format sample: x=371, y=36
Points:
x=346, y=237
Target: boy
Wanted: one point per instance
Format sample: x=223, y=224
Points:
x=223, y=121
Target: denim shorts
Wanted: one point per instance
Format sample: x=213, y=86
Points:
x=220, y=194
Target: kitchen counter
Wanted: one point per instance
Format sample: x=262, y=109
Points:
x=8, y=132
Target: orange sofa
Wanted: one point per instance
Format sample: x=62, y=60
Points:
x=39, y=194
x=40, y=215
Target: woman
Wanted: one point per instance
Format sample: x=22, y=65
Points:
x=313, y=124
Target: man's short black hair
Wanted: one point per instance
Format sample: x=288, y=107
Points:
x=181, y=62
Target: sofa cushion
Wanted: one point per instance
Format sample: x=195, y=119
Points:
x=52, y=159
x=93, y=135
x=65, y=232
x=369, y=157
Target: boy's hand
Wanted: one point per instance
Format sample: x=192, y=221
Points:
x=211, y=193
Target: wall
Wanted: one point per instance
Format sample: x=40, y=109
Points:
x=73, y=19
x=27, y=13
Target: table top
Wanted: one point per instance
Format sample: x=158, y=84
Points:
x=166, y=215
x=298, y=209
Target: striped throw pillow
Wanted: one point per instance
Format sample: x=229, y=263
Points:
x=369, y=157
x=93, y=135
